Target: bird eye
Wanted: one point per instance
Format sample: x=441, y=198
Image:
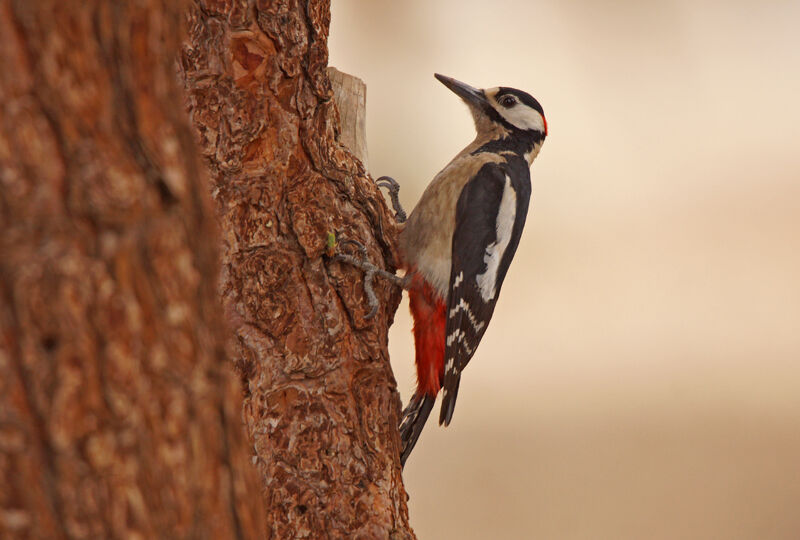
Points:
x=508, y=101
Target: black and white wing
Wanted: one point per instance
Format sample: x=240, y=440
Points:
x=490, y=214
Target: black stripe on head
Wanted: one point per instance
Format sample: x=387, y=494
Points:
x=523, y=97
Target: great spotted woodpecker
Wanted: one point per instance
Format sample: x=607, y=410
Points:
x=459, y=240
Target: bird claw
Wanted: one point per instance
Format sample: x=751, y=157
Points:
x=393, y=188
x=370, y=271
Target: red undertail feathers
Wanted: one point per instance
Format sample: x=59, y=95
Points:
x=428, y=310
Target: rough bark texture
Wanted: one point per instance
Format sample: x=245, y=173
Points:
x=119, y=413
x=320, y=403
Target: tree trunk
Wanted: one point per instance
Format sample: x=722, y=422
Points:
x=320, y=400
x=119, y=414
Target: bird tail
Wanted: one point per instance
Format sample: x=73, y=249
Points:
x=449, y=398
x=414, y=417
x=428, y=310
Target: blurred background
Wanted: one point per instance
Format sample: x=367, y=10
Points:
x=641, y=375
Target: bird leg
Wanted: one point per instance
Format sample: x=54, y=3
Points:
x=393, y=188
x=370, y=271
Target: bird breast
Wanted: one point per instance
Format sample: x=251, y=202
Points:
x=426, y=240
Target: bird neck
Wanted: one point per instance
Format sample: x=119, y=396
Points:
x=523, y=144
x=531, y=154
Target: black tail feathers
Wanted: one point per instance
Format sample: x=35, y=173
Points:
x=449, y=395
x=414, y=417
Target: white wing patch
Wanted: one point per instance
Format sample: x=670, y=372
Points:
x=494, y=252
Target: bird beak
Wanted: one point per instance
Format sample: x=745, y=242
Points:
x=472, y=96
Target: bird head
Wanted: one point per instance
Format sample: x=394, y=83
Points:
x=512, y=111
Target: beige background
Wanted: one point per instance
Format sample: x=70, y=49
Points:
x=641, y=376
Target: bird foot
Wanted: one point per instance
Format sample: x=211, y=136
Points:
x=393, y=188
x=370, y=271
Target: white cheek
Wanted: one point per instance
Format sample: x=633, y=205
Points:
x=524, y=118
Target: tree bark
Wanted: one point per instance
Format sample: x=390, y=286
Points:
x=119, y=414
x=320, y=402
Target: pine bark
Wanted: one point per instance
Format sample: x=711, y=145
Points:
x=120, y=413
x=120, y=416
x=320, y=401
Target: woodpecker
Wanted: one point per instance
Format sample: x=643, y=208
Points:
x=458, y=242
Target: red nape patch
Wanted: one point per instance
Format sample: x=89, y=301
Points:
x=428, y=310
